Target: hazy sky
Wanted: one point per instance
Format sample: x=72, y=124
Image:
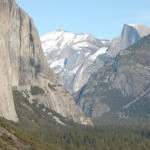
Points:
x=102, y=18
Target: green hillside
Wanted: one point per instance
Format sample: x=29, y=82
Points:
x=70, y=136
x=13, y=138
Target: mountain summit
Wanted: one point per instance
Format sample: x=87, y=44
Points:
x=131, y=33
x=73, y=57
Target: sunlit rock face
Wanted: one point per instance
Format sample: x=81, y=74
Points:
x=131, y=34
x=22, y=64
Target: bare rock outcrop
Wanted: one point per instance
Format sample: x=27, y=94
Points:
x=131, y=34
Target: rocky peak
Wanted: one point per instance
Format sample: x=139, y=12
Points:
x=60, y=39
x=73, y=57
x=129, y=36
x=142, y=29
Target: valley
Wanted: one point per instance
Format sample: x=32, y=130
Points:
x=72, y=91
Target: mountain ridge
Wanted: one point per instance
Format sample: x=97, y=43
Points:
x=122, y=85
x=66, y=53
x=75, y=57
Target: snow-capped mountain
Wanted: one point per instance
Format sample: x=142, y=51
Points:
x=74, y=57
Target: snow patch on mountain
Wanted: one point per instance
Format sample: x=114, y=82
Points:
x=61, y=39
x=86, y=54
x=80, y=46
x=68, y=55
x=59, y=62
x=97, y=53
x=136, y=26
x=74, y=71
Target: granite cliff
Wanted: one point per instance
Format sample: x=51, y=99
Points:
x=23, y=66
x=131, y=34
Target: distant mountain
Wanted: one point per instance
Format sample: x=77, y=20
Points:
x=121, y=89
x=87, y=67
x=130, y=35
x=74, y=57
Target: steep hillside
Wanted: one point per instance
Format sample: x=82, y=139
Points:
x=12, y=138
x=74, y=57
x=121, y=87
x=24, y=65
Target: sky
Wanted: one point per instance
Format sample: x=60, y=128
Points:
x=103, y=19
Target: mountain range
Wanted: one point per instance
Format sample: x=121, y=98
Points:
x=120, y=89
x=75, y=57
x=103, y=75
